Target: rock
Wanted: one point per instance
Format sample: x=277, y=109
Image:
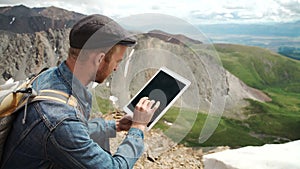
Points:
x=275, y=156
x=162, y=153
x=21, y=19
x=25, y=54
x=29, y=48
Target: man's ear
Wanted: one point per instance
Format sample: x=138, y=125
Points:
x=100, y=57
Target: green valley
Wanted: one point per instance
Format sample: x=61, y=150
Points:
x=271, y=122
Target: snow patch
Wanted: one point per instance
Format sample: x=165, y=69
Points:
x=12, y=20
x=275, y=156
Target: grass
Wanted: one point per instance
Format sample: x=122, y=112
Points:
x=229, y=132
x=266, y=123
x=101, y=106
x=277, y=119
x=259, y=67
x=281, y=117
x=272, y=122
x=277, y=76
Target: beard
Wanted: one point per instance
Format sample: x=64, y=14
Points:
x=102, y=73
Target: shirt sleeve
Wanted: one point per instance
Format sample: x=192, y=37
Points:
x=70, y=146
x=101, y=130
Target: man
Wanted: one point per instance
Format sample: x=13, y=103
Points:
x=55, y=135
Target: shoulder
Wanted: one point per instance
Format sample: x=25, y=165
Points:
x=47, y=79
x=55, y=113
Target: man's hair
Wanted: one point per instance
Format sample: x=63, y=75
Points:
x=82, y=54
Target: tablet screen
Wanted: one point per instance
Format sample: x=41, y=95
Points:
x=162, y=87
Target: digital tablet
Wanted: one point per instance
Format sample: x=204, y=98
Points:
x=165, y=86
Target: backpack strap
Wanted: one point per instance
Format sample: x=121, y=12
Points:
x=52, y=95
x=25, y=94
x=56, y=95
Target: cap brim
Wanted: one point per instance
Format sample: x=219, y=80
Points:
x=127, y=42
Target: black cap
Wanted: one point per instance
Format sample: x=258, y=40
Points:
x=98, y=31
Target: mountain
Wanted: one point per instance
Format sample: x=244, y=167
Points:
x=176, y=39
x=268, y=29
x=261, y=87
x=27, y=53
x=260, y=68
x=49, y=42
x=278, y=37
x=21, y=19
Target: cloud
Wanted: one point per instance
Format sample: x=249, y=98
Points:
x=155, y=7
x=214, y=15
x=10, y=2
x=248, y=12
x=235, y=7
x=194, y=11
x=291, y=5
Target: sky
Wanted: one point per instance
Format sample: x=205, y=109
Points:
x=193, y=11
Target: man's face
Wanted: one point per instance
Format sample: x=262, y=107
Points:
x=106, y=68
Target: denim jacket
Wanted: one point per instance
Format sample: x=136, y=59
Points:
x=56, y=135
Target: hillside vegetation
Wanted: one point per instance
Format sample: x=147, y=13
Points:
x=260, y=68
x=277, y=121
x=271, y=122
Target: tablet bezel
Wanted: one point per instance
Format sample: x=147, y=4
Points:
x=177, y=77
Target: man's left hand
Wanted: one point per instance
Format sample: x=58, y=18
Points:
x=124, y=123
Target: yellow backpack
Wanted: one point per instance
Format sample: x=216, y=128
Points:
x=17, y=95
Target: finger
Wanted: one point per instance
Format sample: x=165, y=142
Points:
x=146, y=104
x=126, y=122
x=145, y=101
x=141, y=102
x=156, y=106
x=150, y=104
x=128, y=116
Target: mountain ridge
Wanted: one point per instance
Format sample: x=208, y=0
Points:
x=290, y=29
x=45, y=46
x=21, y=19
x=55, y=33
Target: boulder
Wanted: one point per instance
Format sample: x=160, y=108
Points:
x=275, y=156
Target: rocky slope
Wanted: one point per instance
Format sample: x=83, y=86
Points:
x=27, y=53
x=209, y=79
x=39, y=47
x=21, y=19
x=23, y=54
x=162, y=153
x=32, y=39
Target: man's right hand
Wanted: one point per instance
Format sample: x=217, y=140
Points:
x=143, y=112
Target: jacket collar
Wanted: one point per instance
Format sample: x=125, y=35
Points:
x=76, y=88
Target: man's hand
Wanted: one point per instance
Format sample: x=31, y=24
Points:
x=124, y=123
x=143, y=112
